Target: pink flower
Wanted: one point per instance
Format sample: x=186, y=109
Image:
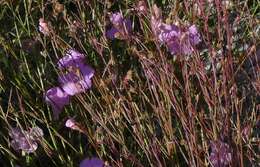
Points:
x=43, y=27
x=70, y=123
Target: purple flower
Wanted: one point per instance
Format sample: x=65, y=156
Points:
x=178, y=41
x=24, y=144
x=68, y=77
x=74, y=125
x=168, y=33
x=73, y=88
x=220, y=155
x=36, y=132
x=93, y=162
x=117, y=19
x=194, y=35
x=24, y=140
x=75, y=78
x=121, y=27
x=77, y=81
x=73, y=62
x=112, y=33
x=57, y=98
x=86, y=71
x=71, y=58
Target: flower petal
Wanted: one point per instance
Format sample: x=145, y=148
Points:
x=71, y=58
x=72, y=88
x=57, y=98
x=69, y=77
x=174, y=46
x=93, y=162
x=85, y=84
x=116, y=19
x=128, y=25
x=194, y=35
x=111, y=33
x=86, y=71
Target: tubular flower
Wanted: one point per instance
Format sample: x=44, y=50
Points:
x=78, y=78
x=72, y=58
x=121, y=28
x=75, y=79
x=57, y=98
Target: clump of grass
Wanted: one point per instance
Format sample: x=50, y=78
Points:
x=146, y=106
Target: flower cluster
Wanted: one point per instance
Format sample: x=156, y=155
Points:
x=25, y=140
x=177, y=40
x=121, y=28
x=75, y=79
x=220, y=154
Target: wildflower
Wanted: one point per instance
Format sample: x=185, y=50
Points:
x=25, y=140
x=117, y=19
x=178, y=41
x=71, y=58
x=76, y=79
x=73, y=88
x=72, y=124
x=36, y=132
x=43, y=27
x=185, y=43
x=194, y=35
x=93, y=162
x=220, y=154
x=57, y=98
x=121, y=27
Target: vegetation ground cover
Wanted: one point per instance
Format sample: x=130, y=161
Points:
x=169, y=83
